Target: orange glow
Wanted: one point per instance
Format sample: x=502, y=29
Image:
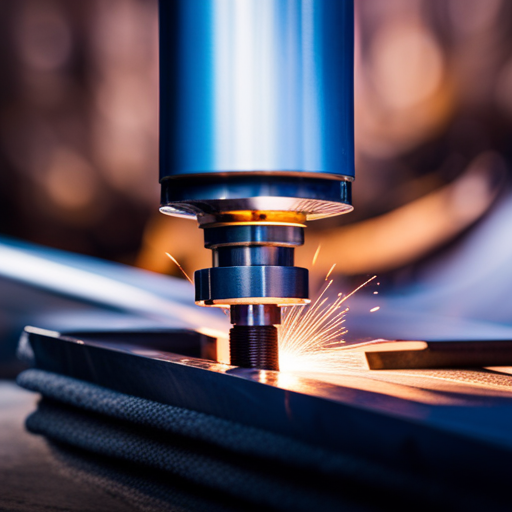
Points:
x=311, y=337
x=316, y=254
x=223, y=355
x=406, y=41
x=379, y=245
x=330, y=272
x=255, y=217
x=71, y=182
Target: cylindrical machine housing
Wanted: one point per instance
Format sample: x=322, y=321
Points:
x=256, y=106
x=256, y=137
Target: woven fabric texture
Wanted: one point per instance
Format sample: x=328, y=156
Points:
x=249, y=464
x=146, y=491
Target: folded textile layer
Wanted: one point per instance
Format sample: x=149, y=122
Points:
x=240, y=461
x=147, y=490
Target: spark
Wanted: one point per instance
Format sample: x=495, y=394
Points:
x=330, y=272
x=181, y=268
x=316, y=254
x=376, y=308
x=311, y=337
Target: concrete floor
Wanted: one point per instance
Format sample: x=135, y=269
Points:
x=30, y=479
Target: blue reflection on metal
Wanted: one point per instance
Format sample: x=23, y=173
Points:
x=256, y=85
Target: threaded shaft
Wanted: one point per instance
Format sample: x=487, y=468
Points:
x=254, y=346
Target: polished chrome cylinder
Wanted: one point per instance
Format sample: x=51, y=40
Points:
x=253, y=234
x=252, y=264
x=256, y=314
x=226, y=286
x=253, y=256
x=256, y=106
x=256, y=137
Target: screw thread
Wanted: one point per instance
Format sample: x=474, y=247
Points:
x=254, y=346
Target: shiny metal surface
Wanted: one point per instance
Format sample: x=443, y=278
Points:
x=256, y=314
x=253, y=218
x=254, y=346
x=251, y=285
x=252, y=263
x=283, y=236
x=256, y=85
x=463, y=441
x=194, y=197
x=257, y=117
x=258, y=255
x=253, y=273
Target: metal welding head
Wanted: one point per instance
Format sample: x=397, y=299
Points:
x=256, y=137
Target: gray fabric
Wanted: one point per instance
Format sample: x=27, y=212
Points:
x=176, y=420
x=148, y=492
x=243, y=462
x=194, y=425
x=201, y=465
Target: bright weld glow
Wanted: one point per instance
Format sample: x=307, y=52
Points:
x=311, y=337
x=181, y=268
x=317, y=252
x=374, y=309
x=214, y=333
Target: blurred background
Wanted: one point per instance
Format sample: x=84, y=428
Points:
x=79, y=136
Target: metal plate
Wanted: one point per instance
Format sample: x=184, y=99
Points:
x=453, y=440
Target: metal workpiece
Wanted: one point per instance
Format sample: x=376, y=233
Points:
x=434, y=433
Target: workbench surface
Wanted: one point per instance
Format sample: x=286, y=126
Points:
x=31, y=478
